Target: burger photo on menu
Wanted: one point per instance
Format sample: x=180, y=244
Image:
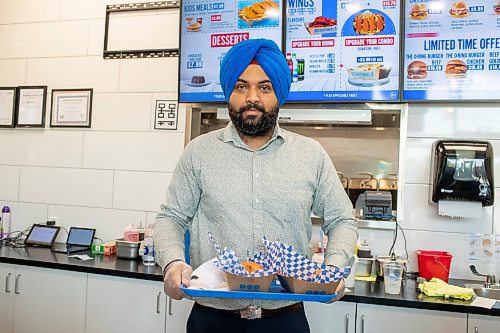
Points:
x=418, y=12
x=367, y=75
x=496, y=8
x=459, y=9
x=321, y=25
x=456, y=69
x=417, y=70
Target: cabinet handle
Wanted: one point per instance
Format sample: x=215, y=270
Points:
x=158, y=302
x=476, y=330
x=170, y=313
x=347, y=323
x=363, y=324
x=16, y=286
x=7, y=283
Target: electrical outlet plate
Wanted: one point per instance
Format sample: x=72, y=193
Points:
x=55, y=219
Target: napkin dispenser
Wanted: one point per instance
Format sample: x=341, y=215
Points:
x=462, y=171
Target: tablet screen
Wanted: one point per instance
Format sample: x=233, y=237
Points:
x=42, y=235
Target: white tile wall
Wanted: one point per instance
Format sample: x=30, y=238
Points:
x=84, y=9
x=13, y=72
x=441, y=121
x=22, y=11
x=96, y=37
x=143, y=191
x=24, y=215
x=121, y=112
x=454, y=243
x=149, y=75
x=48, y=39
x=9, y=182
x=41, y=147
x=418, y=160
x=74, y=72
x=64, y=186
x=109, y=223
x=132, y=150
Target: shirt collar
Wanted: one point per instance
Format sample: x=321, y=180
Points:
x=230, y=134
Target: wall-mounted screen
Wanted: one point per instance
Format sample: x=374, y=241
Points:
x=452, y=50
x=343, y=50
x=209, y=29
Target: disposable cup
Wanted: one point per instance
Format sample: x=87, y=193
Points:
x=393, y=275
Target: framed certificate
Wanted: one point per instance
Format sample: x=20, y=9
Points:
x=30, y=110
x=7, y=106
x=71, y=108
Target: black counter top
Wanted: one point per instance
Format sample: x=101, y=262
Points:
x=373, y=293
x=363, y=292
x=106, y=265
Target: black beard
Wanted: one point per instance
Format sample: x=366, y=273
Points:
x=254, y=126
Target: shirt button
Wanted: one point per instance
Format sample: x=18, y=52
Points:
x=257, y=175
x=257, y=200
x=257, y=226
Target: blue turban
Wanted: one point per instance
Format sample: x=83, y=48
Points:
x=268, y=56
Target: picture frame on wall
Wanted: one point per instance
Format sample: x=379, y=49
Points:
x=71, y=108
x=7, y=106
x=30, y=108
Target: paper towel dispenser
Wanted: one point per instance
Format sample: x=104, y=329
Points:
x=462, y=171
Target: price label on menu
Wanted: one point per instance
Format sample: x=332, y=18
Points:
x=452, y=50
x=209, y=29
x=343, y=50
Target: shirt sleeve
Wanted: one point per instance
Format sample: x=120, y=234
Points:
x=333, y=205
x=183, y=197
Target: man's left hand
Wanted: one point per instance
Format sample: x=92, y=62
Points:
x=339, y=292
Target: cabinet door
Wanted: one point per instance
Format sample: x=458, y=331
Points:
x=49, y=300
x=328, y=318
x=178, y=314
x=7, y=274
x=116, y=304
x=382, y=319
x=483, y=324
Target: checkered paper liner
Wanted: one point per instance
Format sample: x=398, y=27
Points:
x=228, y=262
x=292, y=264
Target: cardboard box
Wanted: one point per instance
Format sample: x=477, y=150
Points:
x=297, y=286
x=243, y=283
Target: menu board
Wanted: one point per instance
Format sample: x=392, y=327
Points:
x=452, y=50
x=343, y=49
x=209, y=29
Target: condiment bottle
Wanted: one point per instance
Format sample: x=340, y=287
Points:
x=364, y=250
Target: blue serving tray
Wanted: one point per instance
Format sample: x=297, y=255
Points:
x=276, y=293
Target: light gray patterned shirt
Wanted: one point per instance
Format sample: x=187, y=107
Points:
x=241, y=196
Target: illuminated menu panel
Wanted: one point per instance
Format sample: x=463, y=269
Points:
x=209, y=29
x=343, y=50
x=452, y=50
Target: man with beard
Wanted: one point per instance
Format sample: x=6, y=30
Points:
x=247, y=181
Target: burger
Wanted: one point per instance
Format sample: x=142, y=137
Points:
x=417, y=70
x=456, y=68
x=496, y=8
x=459, y=9
x=418, y=12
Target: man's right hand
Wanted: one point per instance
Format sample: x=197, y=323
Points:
x=178, y=273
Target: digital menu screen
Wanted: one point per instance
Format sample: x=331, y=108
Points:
x=343, y=50
x=452, y=50
x=209, y=29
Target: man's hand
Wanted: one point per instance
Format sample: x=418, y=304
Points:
x=339, y=292
x=178, y=273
